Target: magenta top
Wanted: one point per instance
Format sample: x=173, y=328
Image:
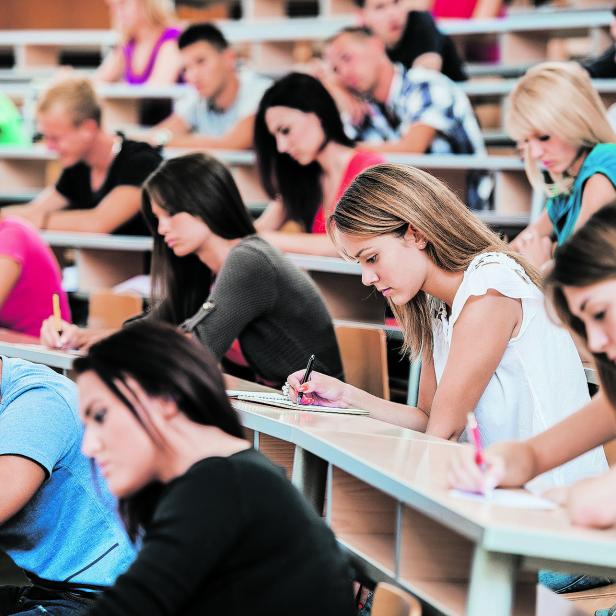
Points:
x=30, y=302
x=170, y=34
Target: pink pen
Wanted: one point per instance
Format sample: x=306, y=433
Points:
x=473, y=429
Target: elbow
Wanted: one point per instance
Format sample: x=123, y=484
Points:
x=591, y=515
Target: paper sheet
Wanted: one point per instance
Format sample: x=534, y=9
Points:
x=278, y=400
x=516, y=499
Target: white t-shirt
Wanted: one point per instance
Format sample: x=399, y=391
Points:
x=202, y=118
x=540, y=379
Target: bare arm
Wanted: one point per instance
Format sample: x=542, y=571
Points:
x=112, y=67
x=598, y=191
x=20, y=478
x=480, y=337
x=485, y=9
x=238, y=138
x=302, y=243
x=173, y=123
x=430, y=60
x=272, y=218
x=48, y=200
x=542, y=227
x=167, y=66
x=416, y=140
x=119, y=206
x=10, y=271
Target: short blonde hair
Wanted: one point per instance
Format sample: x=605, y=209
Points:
x=556, y=98
x=74, y=94
x=387, y=199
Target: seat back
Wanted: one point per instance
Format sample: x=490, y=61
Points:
x=110, y=310
x=389, y=600
x=364, y=358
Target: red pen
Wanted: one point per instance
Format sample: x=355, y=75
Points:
x=473, y=429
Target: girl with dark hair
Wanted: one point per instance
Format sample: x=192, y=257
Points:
x=260, y=310
x=582, y=287
x=306, y=162
x=222, y=529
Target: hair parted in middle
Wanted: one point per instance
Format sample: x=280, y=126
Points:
x=556, y=98
x=390, y=198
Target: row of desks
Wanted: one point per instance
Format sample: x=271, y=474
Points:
x=383, y=491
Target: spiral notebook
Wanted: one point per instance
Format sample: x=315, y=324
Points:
x=274, y=399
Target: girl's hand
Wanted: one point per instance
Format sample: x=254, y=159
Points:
x=69, y=338
x=321, y=390
x=465, y=474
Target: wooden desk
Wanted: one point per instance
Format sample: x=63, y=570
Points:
x=386, y=500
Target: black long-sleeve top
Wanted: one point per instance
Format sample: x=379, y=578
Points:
x=232, y=537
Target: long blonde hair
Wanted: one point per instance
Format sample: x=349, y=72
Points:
x=387, y=199
x=556, y=98
x=158, y=13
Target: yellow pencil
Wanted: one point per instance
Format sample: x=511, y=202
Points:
x=57, y=314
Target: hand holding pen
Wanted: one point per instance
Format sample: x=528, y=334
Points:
x=305, y=378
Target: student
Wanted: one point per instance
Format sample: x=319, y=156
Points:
x=604, y=66
x=411, y=37
x=56, y=523
x=414, y=110
x=148, y=53
x=29, y=278
x=467, y=304
x=306, y=162
x=582, y=289
x=219, y=112
x=569, y=150
x=99, y=188
x=205, y=250
x=224, y=532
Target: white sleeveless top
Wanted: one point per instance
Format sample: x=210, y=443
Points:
x=540, y=379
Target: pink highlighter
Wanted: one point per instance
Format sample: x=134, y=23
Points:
x=473, y=429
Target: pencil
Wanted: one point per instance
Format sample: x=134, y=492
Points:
x=57, y=314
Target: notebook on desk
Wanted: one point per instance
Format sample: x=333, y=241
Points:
x=278, y=400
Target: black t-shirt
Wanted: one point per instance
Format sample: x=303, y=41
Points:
x=131, y=166
x=422, y=36
x=233, y=537
x=603, y=67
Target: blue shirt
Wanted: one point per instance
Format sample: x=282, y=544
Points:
x=69, y=531
x=564, y=210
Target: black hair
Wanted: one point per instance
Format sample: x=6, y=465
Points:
x=298, y=185
x=587, y=257
x=205, y=32
x=166, y=364
x=203, y=187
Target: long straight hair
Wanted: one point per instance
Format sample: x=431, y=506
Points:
x=586, y=258
x=166, y=365
x=299, y=186
x=203, y=187
x=556, y=98
x=390, y=198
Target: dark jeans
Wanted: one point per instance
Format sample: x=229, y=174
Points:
x=33, y=601
x=562, y=583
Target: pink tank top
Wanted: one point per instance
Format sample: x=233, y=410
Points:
x=170, y=34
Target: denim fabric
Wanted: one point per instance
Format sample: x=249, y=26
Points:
x=15, y=601
x=562, y=583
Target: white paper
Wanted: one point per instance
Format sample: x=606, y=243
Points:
x=278, y=400
x=516, y=499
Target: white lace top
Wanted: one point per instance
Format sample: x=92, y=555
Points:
x=540, y=379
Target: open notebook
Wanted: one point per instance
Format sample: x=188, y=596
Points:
x=274, y=399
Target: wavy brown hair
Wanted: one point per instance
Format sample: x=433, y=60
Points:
x=587, y=257
x=389, y=198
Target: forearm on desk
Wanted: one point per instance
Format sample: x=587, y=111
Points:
x=391, y=412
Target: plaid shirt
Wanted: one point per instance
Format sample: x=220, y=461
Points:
x=422, y=96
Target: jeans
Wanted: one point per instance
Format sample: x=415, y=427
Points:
x=568, y=582
x=32, y=601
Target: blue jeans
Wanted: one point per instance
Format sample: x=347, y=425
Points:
x=31, y=601
x=562, y=583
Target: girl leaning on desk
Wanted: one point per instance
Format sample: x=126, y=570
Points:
x=222, y=530
x=252, y=305
x=582, y=289
x=470, y=306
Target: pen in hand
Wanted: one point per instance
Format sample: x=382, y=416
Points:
x=473, y=430
x=57, y=314
x=306, y=377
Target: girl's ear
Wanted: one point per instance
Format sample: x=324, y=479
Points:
x=415, y=238
x=168, y=408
